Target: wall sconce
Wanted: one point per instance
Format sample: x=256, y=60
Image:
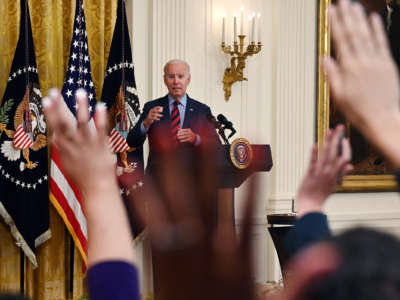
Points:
x=238, y=55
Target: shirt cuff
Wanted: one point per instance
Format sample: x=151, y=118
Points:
x=143, y=130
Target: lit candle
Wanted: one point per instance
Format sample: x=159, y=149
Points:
x=253, y=27
x=241, y=20
x=259, y=27
x=250, y=28
x=223, y=28
x=234, y=28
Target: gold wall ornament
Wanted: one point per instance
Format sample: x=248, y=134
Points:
x=234, y=73
x=239, y=52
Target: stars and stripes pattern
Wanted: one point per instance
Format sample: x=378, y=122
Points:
x=64, y=195
x=21, y=139
x=79, y=71
x=117, y=142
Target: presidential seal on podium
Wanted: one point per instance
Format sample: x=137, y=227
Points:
x=241, y=153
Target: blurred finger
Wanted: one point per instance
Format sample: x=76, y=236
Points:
x=100, y=119
x=333, y=150
x=332, y=72
x=338, y=34
x=82, y=112
x=177, y=185
x=379, y=35
x=248, y=216
x=348, y=168
x=313, y=159
x=208, y=178
x=57, y=115
x=346, y=148
x=359, y=29
x=323, y=154
x=150, y=209
x=346, y=19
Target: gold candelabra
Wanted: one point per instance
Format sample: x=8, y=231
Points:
x=234, y=73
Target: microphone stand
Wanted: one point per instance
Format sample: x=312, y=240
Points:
x=221, y=132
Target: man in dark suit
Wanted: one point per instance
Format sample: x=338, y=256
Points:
x=188, y=128
x=176, y=122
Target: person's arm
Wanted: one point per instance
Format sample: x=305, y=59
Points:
x=364, y=82
x=87, y=160
x=317, y=185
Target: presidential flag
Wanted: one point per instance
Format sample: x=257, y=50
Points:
x=121, y=98
x=24, y=199
x=64, y=195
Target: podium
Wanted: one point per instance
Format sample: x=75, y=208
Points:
x=231, y=177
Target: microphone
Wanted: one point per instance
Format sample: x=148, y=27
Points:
x=227, y=124
x=218, y=126
x=224, y=121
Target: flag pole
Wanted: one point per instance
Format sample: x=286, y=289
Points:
x=21, y=271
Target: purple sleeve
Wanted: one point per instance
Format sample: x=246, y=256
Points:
x=115, y=280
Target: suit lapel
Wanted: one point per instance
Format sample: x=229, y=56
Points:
x=166, y=112
x=189, y=112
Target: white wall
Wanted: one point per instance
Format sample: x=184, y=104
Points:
x=276, y=106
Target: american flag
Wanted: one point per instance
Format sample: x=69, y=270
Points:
x=66, y=197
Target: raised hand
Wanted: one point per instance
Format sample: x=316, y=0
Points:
x=88, y=162
x=364, y=80
x=155, y=114
x=324, y=172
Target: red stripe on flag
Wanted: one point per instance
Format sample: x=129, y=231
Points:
x=117, y=142
x=56, y=159
x=69, y=213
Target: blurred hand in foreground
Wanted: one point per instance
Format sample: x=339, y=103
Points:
x=364, y=80
x=194, y=258
x=86, y=159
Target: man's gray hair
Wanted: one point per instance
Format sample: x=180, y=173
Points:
x=176, y=61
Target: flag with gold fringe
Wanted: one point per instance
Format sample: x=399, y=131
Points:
x=121, y=98
x=24, y=199
x=64, y=195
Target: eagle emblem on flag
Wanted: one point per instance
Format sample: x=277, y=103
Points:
x=29, y=133
x=123, y=115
